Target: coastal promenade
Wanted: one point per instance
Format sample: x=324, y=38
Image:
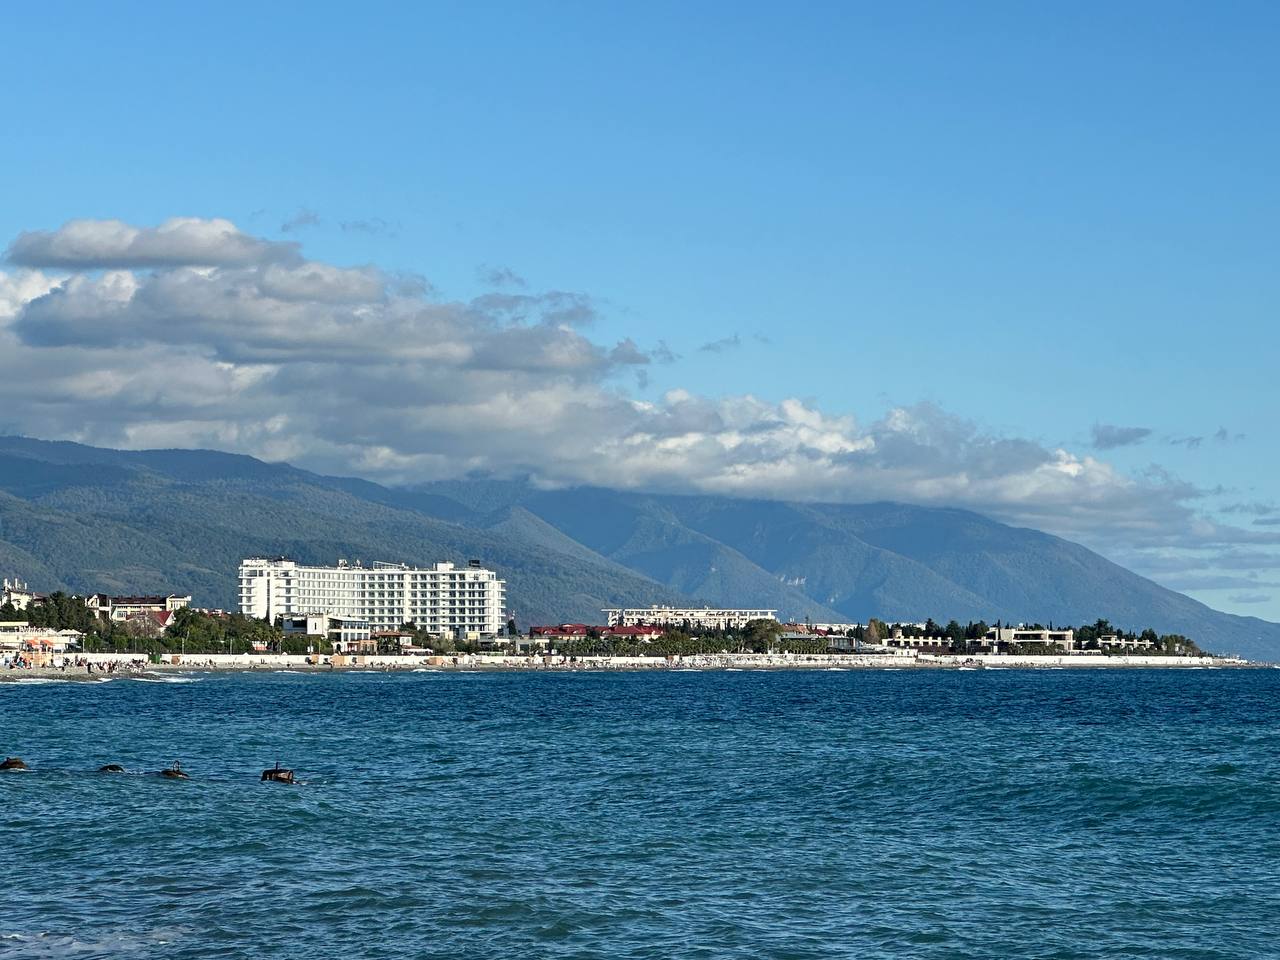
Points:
x=99, y=666
x=897, y=660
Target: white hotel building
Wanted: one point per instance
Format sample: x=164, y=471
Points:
x=442, y=599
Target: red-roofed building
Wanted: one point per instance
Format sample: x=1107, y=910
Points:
x=120, y=609
x=161, y=618
x=561, y=631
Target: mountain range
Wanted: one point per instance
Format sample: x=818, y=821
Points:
x=84, y=518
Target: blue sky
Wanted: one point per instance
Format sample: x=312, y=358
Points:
x=1034, y=220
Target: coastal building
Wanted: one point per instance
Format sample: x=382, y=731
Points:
x=18, y=635
x=396, y=640
x=1003, y=636
x=1114, y=642
x=704, y=618
x=578, y=631
x=120, y=609
x=897, y=641
x=18, y=594
x=344, y=633
x=442, y=599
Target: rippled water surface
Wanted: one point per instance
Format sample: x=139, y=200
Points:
x=808, y=814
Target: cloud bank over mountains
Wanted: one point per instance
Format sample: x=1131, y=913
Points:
x=195, y=334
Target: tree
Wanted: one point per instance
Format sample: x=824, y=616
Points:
x=198, y=632
x=955, y=635
x=61, y=611
x=760, y=636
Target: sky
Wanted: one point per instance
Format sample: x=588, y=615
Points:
x=1018, y=258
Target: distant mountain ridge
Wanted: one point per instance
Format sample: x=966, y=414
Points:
x=86, y=518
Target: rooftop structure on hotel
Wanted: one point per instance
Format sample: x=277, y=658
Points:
x=442, y=599
x=705, y=618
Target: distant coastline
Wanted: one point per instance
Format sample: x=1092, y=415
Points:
x=126, y=666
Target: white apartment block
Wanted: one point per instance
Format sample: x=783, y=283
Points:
x=706, y=618
x=442, y=599
x=1066, y=639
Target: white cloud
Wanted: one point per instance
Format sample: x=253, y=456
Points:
x=108, y=244
x=20, y=288
x=194, y=334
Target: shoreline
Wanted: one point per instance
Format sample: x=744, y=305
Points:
x=124, y=666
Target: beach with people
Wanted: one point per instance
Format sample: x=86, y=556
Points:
x=108, y=666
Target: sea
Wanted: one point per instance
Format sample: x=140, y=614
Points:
x=790, y=814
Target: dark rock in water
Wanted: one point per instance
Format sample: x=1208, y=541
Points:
x=111, y=768
x=174, y=772
x=13, y=763
x=277, y=775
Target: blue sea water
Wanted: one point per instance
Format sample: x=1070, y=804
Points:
x=792, y=815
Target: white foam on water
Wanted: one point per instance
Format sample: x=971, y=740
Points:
x=45, y=944
x=167, y=679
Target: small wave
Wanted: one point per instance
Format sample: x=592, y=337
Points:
x=167, y=679
x=39, y=680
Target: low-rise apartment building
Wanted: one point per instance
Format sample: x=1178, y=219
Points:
x=1003, y=636
x=579, y=631
x=704, y=618
x=120, y=609
x=344, y=633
